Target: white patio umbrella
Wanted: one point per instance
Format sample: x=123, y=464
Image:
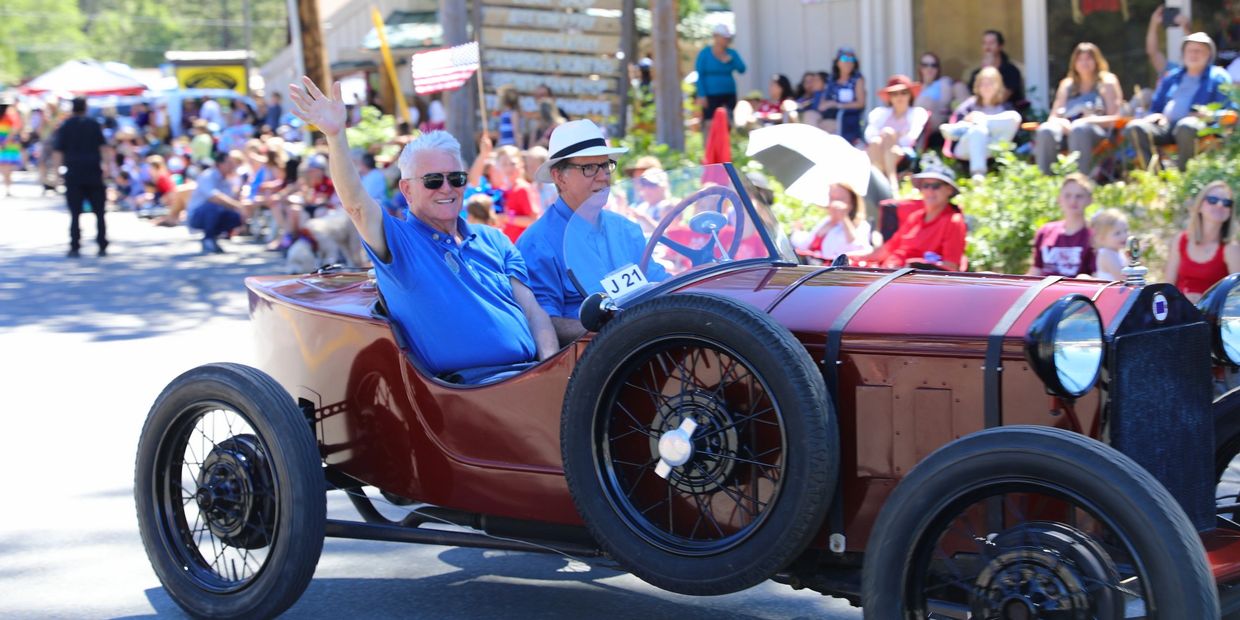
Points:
x=808, y=160
x=83, y=78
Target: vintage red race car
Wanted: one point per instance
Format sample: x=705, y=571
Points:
x=926, y=444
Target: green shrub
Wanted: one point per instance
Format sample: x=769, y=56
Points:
x=1004, y=210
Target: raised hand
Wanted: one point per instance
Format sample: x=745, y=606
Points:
x=314, y=107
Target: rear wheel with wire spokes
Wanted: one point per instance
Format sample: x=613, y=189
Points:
x=230, y=494
x=699, y=443
x=1034, y=522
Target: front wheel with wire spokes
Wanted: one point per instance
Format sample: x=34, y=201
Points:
x=699, y=443
x=230, y=493
x=1034, y=522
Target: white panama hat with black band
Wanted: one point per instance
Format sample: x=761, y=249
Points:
x=581, y=138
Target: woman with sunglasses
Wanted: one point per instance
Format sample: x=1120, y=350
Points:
x=844, y=98
x=893, y=130
x=932, y=236
x=458, y=291
x=1206, y=250
x=935, y=96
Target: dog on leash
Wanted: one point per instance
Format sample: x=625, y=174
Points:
x=327, y=239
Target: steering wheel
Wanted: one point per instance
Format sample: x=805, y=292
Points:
x=705, y=253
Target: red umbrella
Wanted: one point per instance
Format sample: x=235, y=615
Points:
x=83, y=78
x=718, y=141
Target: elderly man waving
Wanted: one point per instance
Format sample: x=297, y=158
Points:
x=580, y=166
x=459, y=291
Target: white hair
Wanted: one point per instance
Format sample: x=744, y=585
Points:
x=429, y=141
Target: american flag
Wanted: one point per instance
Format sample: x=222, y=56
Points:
x=444, y=69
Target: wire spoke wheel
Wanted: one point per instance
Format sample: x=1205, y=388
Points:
x=217, y=493
x=722, y=489
x=1019, y=549
x=230, y=493
x=699, y=443
x=1025, y=522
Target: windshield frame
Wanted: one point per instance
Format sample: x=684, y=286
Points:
x=773, y=257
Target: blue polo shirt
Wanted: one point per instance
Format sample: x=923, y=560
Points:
x=597, y=251
x=453, y=300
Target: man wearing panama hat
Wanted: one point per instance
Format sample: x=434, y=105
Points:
x=580, y=166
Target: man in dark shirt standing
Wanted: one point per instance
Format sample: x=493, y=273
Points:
x=81, y=148
x=994, y=56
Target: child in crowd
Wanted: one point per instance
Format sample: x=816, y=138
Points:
x=480, y=209
x=1109, y=229
x=1063, y=247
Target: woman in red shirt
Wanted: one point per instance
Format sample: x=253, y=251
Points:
x=1205, y=252
x=933, y=235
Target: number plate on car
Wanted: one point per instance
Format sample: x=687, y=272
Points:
x=624, y=281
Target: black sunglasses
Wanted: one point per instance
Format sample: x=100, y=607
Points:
x=590, y=170
x=1227, y=202
x=930, y=185
x=434, y=180
x=934, y=65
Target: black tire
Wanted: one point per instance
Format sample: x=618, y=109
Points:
x=774, y=456
x=258, y=495
x=1126, y=520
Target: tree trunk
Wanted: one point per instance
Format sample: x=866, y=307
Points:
x=313, y=52
x=459, y=103
x=668, y=100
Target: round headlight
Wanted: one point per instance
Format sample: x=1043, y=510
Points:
x=1221, y=305
x=1064, y=346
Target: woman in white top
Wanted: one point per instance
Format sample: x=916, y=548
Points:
x=892, y=131
x=844, y=230
x=984, y=119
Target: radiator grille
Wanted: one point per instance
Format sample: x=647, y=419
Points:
x=1159, y=410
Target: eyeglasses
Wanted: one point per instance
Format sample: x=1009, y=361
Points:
x=931, y=65
x=1226, y=202
x=931, y=185
x=435, y=180
x=847, y=58
x=893, y=93
x=590, y=170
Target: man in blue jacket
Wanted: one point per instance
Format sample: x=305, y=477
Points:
x=1174, y=117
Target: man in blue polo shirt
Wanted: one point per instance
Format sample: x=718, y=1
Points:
x=601, y=242
x=460, y=292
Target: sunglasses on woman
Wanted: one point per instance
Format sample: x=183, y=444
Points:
x=1227, y=202
x=435, y=180
x=930, y=65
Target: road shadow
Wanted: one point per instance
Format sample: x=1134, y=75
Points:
x=476, y=596
x=146, y=291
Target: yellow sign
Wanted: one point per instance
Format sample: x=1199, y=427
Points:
x=231, y=77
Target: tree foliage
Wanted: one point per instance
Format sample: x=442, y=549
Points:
x=40, y=34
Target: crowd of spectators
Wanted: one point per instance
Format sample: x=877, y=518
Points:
x=230, y=169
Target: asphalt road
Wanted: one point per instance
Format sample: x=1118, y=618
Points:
x=85, y=347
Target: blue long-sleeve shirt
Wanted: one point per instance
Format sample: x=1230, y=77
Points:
x=714, y=77
x=1208, y=89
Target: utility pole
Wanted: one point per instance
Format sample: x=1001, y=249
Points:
x=668, y=100
x=628, y=45
x=314, y=54
x=247, y=7
x=459, y=103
